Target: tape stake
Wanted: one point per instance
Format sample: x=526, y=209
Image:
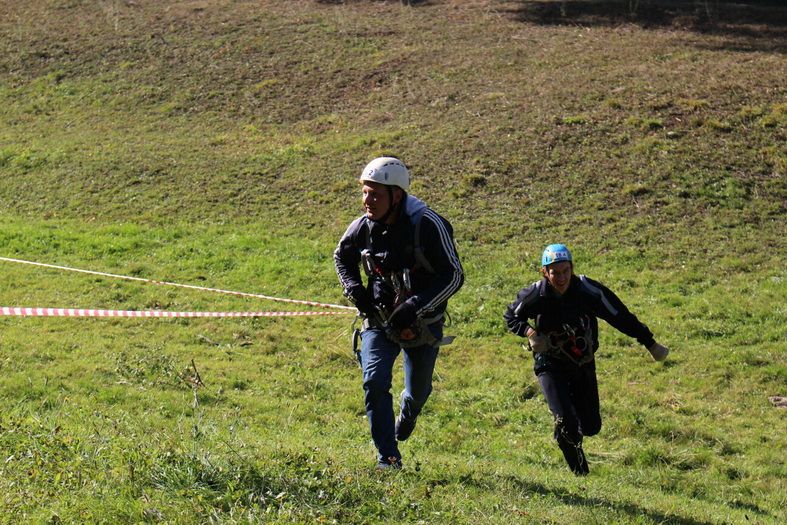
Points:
x=18, y=311
x=190, y=286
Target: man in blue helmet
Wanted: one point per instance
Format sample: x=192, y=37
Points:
x=559, y=316
x=408, y=254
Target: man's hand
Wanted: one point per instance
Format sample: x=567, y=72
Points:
x=360, y=298
x=658, y=351
x=538, y=343
x=403, y=317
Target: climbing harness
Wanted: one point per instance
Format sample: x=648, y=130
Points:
x=355, y=340
x=570, y=342
x=399, y=286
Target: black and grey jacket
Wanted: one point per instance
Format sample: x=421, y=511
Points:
x=436, y=273
x=581, y=305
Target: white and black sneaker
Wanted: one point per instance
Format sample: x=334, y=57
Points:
x=389, y=463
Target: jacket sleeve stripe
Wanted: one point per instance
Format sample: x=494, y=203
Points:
x=345, y=257
x=531, y=295
x=600, y=294
x=450, y=252
x=340, y=270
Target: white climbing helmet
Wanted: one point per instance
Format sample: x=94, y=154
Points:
x=389, y=171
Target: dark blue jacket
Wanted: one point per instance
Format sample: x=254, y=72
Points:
x=393, y=248
x=584, y=301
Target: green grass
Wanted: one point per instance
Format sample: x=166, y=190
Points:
x=217, y=143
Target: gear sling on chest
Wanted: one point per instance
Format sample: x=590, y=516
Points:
x=398, y=286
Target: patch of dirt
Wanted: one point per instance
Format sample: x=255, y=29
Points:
x=778, y=401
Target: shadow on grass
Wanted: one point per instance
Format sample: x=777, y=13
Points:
x=747, y=26
x=403, y=2
x=628, y=508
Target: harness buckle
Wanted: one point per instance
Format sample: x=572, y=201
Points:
x=370, y=267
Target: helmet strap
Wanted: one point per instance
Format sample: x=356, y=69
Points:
x=391, y=206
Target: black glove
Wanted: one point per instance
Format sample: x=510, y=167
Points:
x=360, y=298
x=403, y=317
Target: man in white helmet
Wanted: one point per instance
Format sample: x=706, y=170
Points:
x=563, y=337
x=408, y=254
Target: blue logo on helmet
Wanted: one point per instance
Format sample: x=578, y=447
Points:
x=555, y=253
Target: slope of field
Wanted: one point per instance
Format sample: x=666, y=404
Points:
x=218, y=143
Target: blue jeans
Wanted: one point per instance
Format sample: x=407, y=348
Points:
x=378, y=354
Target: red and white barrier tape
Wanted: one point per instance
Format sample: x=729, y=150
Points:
x=165, y=283
x=76, y=312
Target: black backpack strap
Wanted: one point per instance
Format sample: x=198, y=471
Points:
x=418, y=250
x=368, y=233
x=367, y=261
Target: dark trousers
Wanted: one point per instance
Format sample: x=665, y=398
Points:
x=378, y=354
x=571, y=392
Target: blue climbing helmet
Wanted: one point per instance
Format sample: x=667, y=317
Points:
x=555, y=253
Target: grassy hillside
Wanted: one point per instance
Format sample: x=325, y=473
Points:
x=217, y=143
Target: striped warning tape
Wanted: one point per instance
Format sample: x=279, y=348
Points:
x=78, y=312
x=190, y=286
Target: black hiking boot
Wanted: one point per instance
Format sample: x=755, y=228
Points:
x=575, y=457
x=404, y=427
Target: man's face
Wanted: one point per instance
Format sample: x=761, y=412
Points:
x=377, y=199
x=559, y=275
